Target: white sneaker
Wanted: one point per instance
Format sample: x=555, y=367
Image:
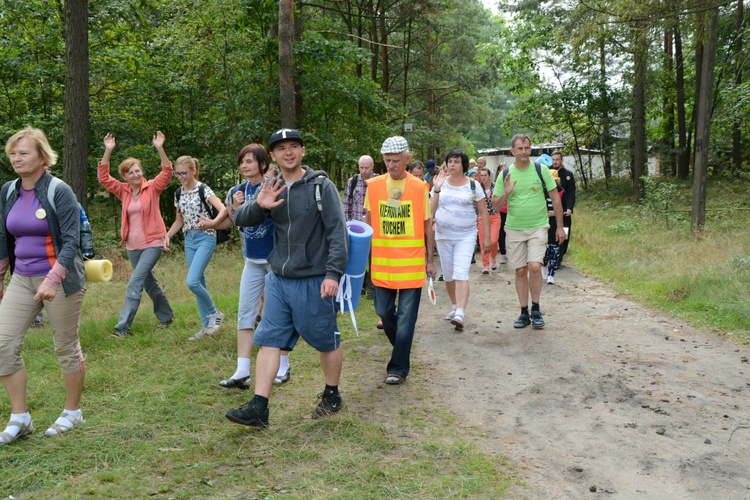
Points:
x=458, y=322
x=545, y=273
x=503, y=259
x=214, y=322
x=200, y=334
x=450, y=315
x=64, y=423
x=550, y=280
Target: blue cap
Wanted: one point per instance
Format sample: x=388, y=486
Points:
x=430, y=165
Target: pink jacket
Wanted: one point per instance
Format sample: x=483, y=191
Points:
x=153, y=223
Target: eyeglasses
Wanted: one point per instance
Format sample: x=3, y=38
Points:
x=180, y=174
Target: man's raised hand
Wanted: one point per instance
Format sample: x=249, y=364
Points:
x=267, y=198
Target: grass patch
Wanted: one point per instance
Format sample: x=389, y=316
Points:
x=155, y=424
x=648, y=251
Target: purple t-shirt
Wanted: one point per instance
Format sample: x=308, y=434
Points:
x=27, y=222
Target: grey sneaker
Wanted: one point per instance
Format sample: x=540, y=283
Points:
x=280, y=379
x=236, y=383
x=522, y=321
x=200, y=334
x=329, y=404
x=214, y=322
x=26, y=429
x=64, y=423
x=537, y=320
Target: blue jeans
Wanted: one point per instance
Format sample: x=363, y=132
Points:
x=143, y=262
x=199, y=248
x=398, y=323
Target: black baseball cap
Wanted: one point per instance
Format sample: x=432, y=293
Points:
x=284, y=134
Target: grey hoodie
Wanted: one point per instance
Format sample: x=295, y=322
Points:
x=307, y=242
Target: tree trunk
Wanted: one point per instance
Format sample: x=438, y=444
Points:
x=668, y=157
x=386, y=83
x=703, y=122
x=737, y=127
x=286, y=64
x=374, y=47
x=606, y=120
x=683, y=153
x=298, y=69
x=700, y=37
x=639, y=111
x=76, y=128
x=407, y=51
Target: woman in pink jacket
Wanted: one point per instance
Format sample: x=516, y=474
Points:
x=142, y=229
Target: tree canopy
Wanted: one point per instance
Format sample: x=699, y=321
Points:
x=583, y=73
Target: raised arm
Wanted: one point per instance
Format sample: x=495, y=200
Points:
x=109, y=183
x=158, y=142
x=109, y=146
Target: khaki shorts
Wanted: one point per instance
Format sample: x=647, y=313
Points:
x=18, y=309
x=526, y=246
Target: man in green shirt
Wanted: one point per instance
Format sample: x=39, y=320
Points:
x=525, y=188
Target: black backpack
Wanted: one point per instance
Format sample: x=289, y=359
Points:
x=222, y=235
x=538, y=167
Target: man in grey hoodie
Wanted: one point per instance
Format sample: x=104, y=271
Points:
x=309, y=257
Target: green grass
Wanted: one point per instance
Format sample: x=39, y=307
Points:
x=155, y=424
x=648, y=251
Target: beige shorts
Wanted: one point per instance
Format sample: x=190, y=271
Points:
x=18, y=309
x=526, y=246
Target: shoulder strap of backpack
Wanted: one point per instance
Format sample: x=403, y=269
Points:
x=352, y=185
x=539, y=173
x=202, y=196
x=473, y=185
x=11, y=185
x=318, y=181
x=53, y=183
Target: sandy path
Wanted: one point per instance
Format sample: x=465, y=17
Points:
x=610, y=398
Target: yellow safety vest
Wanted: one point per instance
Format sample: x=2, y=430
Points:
x=398, y=249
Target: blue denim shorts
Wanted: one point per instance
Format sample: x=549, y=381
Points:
x=292, y=309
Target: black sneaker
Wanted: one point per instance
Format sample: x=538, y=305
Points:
x=537, y=321
x=329, y=404
x=249, y=414
x=522, y=322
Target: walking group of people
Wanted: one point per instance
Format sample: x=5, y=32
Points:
x=295, y=248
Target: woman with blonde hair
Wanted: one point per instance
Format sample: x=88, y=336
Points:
x=40, y=245
x=194, y=201
x=142, y=229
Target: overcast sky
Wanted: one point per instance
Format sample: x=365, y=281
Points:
x=491, y=4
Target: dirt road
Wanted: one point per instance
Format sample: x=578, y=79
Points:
x=610, y=398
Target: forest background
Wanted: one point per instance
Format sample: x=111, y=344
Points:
x=624, y=78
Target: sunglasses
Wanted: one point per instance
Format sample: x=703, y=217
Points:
x=180, y=174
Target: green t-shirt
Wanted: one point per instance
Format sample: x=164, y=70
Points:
x=527, y=204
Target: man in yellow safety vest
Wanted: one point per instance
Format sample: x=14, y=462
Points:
x=398, y=209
